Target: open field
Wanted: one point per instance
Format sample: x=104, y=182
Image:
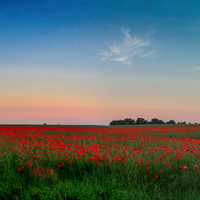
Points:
x=99, y=162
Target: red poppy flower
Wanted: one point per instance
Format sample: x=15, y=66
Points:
x=21, y=170
x=61, y=166
x=184, y=168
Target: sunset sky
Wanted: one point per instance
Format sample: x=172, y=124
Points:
x=90, y=61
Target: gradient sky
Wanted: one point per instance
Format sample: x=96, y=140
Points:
x=89, y=61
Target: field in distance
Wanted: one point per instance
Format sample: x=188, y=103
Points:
x=99, y=162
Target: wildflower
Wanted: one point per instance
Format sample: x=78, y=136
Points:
x=161, y=171
x=50, y=172
x=156, y=177
x=61, y=166
x=30, y=164
x=21, y=170
x=118, y=159
x=168, y=165
x=39, y=172
x=140, y=162
x=184, y=168
x=95, y=159
x=174, y=169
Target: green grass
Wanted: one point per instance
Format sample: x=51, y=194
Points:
x=195, y=135
x=84, y=180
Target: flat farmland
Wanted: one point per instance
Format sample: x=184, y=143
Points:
x=99, y=162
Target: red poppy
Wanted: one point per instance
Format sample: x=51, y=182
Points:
x=156, y=177
x=184, y=168
x=50, y=172
x=61, y=165
x=21, y=170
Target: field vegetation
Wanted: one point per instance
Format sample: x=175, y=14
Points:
x=81, y=163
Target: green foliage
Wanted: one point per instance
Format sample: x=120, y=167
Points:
x=194, y=135
x=83, y=180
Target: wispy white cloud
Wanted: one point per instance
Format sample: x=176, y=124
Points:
x=129, y=48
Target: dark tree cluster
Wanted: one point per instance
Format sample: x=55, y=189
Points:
x=141, y=121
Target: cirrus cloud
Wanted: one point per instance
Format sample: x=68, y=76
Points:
x=129, y=48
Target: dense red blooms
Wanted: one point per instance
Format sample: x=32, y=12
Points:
x=144, y=145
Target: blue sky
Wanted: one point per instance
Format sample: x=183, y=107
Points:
x=103, y=59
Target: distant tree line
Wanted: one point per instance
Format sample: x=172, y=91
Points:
x=140, y=121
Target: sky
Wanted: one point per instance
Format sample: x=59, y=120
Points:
x=89, y=62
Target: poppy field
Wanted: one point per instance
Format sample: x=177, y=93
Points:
x=100, y=162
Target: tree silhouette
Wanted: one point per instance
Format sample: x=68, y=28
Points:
x=141, y=121
x=171, y=122
x=156, y=121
